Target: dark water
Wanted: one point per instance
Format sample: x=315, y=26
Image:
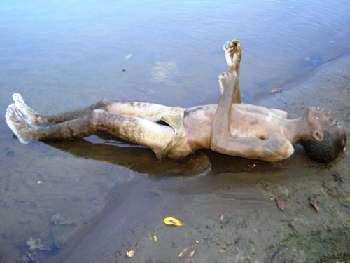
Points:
x=66, y=54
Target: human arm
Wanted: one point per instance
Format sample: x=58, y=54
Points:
x=274, y=148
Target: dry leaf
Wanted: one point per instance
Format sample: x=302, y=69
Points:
x=172, y=221
x=130, y=253
x=314, y=204
x=280, y=204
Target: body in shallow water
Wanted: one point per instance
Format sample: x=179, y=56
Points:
x=228, y=127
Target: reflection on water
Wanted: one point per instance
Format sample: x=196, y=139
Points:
x=66, y=54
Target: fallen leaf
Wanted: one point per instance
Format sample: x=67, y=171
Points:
x=172, y=221
x=314, y=204
x=130, y=253
x=280, y=204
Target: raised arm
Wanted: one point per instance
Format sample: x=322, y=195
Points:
x=272, y=149
x=233, y=55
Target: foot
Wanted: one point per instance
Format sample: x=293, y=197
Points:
x=233, y=54
x=29, y=114
x=16, y=121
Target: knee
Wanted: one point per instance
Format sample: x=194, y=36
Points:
x=95, y=117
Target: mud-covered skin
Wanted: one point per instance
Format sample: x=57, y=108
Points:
x=229, y=127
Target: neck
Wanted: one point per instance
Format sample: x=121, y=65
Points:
x=297, y=129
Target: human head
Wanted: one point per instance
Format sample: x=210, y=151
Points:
x=327, y=139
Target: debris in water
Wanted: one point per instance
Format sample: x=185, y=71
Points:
x=154, y=238
x=128, y=56
x=172, y=221
x=280, y=204
x=192, y=252
x=187, y=252
x=130, y=253
x=251, y=166
x=183, y=252
x=123, y=70
x=36, y=244
x=314, y=204
x=276, y=90
x=58, y=219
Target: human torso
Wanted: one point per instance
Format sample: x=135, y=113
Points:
x=247, y=121
x=193, y=126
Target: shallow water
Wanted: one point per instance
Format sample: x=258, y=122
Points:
x=66, y=54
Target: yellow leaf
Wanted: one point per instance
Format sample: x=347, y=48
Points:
x=172, y=221
x=130, y=253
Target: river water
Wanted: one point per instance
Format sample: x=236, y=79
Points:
x=65, y=54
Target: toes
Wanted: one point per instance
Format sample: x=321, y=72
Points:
x=10, y=111
x=227, y=77
x=17, y=98
x=17, y=124
x=13, y=113
x=19, y=114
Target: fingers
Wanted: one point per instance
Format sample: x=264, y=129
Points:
x=17, y=98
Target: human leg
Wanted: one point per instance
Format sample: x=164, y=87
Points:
x=132, y=129
x=35, y=118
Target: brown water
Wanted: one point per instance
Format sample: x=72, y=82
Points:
x=66, y=55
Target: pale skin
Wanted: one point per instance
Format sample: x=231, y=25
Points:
x=229, y=127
